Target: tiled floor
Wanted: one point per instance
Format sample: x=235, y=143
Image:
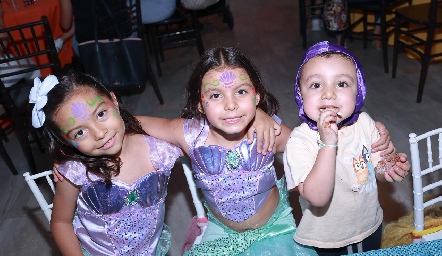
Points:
x=268, y=32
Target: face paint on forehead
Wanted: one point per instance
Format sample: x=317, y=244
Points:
x=227, y=78
x=64, y=128
x=91, y=103
x=214, y=83
x=80, y=110
x=230, y=78
x=243, y=77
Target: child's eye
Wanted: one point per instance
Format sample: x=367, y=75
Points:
x=315, y=85
x=101, y=114
x=79, y=134
x=342, y=84
x=242, y=92
x=215, y=96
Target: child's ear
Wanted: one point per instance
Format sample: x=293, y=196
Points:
x=200, y=108
x=114, y=99
x=258, y=98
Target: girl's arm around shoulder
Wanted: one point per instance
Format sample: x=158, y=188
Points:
x=266, y=129
x=170, y=130
x=65, y=203
x=281, y=139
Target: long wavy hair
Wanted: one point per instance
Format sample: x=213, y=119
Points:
x=220, y=58
x=59, y=148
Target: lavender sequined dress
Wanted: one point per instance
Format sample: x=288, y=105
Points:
x=125, y=219
x=235, y=182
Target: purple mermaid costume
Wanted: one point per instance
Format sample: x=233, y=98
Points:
x=124, y=219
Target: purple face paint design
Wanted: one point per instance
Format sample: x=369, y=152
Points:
x=79, y=110
x=227, y=78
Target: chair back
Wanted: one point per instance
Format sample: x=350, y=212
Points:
x=199, y=223
x=127, y=15
x=18, y=63
x=308, y=9
x=45, y=206
x=416, y=31
x=22, y=42
x=192, y=187
x=421, y=167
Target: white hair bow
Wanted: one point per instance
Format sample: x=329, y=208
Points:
x=38, y=95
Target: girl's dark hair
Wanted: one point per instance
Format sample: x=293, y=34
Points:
x=61, y=151
x=218, y=58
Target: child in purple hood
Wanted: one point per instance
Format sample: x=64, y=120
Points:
x=329, y=159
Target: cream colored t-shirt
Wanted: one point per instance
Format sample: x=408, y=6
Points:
x=354, y=212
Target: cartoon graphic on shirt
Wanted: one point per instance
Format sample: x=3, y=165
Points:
x=361, y=170
x=364, y=171
x=367, y=157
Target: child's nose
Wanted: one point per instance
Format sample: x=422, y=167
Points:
x=100, y=132
x=231, y=104
x=329, y=93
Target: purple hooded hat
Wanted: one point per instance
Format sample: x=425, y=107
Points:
x=317, y=49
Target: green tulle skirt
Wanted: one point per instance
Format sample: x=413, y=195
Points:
x=274, y=238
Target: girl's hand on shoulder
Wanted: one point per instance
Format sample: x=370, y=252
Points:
x=399, y=170
x=384, y=143
x=266, y=130
x=57, y=175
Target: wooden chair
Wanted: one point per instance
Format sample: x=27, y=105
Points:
x=411, y=20
x=420, y=169
x=45, y=206
x=307, y=10
x=383, y=8
x=24, y=44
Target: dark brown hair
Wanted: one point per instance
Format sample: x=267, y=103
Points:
x=61, y=151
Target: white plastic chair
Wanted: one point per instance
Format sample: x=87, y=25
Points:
x=44, y=205
x=200, y=212
x=419, y=233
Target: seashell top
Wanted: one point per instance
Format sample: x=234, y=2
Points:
x=235, y=182
x=123, y=218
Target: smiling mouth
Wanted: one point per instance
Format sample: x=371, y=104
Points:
x=108, y=144
x=232, y=120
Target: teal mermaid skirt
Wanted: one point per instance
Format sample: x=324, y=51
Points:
x=274, y=238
